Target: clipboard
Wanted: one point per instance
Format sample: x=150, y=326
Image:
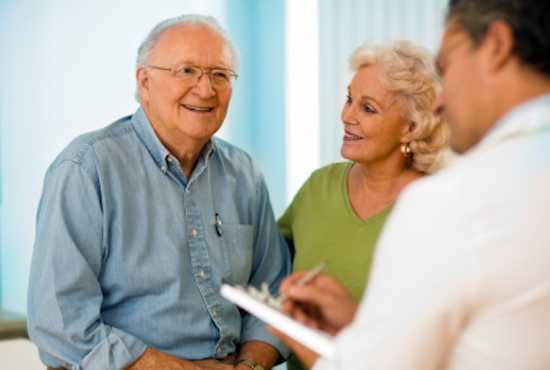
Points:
x=316, y=340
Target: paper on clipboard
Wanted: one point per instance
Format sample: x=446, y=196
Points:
x=316, y=340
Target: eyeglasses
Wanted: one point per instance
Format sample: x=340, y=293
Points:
x=220, y=78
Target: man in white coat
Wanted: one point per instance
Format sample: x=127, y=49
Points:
x=461, y=277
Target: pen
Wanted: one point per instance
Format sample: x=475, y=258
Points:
x=218, y=225
x=305, y=279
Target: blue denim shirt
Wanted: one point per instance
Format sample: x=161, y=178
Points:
x=129, y=254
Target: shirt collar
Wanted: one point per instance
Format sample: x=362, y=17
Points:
x=158, y=151
x=523, y=119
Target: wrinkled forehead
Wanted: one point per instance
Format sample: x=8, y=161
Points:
x=195, y=44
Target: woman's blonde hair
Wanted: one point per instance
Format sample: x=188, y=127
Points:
x=408, y=70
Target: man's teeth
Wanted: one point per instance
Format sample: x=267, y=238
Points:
x=197, y=109
x=350, y=136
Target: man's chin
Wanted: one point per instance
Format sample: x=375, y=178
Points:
x=461, y=145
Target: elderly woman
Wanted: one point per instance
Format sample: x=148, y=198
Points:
x=390, y=140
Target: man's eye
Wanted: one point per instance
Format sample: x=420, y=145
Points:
x=348, y=99
x=222, y=75
x=187, y=71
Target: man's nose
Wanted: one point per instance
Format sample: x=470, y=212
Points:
x=204, y=86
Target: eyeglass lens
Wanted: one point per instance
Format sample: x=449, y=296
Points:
x=221, y=79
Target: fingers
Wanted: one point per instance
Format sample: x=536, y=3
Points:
x=311, y=294
x=291, y=280
x=324, y=304
x=328, y=283
x=324, y=282
x=308, y=315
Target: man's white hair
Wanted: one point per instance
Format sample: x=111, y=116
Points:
x=147, y=47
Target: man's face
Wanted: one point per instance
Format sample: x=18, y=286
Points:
x=181, y=114
x=461, y=101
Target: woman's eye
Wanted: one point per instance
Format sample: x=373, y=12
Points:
x=368, y=109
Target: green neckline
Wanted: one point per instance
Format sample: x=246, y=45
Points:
x=349, y=208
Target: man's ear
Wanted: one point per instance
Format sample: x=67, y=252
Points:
x=500, y=43
x=142, y=78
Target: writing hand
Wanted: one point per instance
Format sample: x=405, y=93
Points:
x=322, y=303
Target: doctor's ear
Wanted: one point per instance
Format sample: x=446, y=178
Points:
x=499, y=42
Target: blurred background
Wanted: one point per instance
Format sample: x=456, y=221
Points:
x=67, y=67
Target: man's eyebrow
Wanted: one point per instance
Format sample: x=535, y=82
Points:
x=188, y=63
x=184, y=62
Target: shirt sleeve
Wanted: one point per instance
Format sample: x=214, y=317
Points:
x=422, y=251
x=65, y=295
x=271, y=264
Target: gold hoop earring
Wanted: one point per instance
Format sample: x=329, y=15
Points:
x=405, y=150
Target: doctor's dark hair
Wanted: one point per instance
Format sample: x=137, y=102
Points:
x=527, y=18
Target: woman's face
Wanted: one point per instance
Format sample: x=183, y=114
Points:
x=373, y=122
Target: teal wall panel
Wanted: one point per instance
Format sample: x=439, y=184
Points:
x=257, y=113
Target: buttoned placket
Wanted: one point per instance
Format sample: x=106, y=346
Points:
x=202, y=271
x=200, y=259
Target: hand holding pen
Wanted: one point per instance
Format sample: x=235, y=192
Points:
x=318, y=300
x=309, y=275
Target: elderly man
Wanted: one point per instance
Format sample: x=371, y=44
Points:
x=461, y=278
x=141, y=222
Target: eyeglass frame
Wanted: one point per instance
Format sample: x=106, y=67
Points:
x=231, y=73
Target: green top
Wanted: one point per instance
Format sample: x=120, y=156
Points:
x=321, y=225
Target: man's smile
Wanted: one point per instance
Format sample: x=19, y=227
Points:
x=197, y=109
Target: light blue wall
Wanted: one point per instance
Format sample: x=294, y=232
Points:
x=257, y=113
x=67, y=67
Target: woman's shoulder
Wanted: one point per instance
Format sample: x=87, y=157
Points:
x=331, y=171
x=326, y=179
x=321, y=186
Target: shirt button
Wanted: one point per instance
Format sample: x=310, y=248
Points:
x=187, y=191
x=169, y=159
x=162, y=168
x=202, y=274
x=219, y=349
x=215, y=313
x=195, y=232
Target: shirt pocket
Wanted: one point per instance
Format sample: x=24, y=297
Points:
x=238, y=247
